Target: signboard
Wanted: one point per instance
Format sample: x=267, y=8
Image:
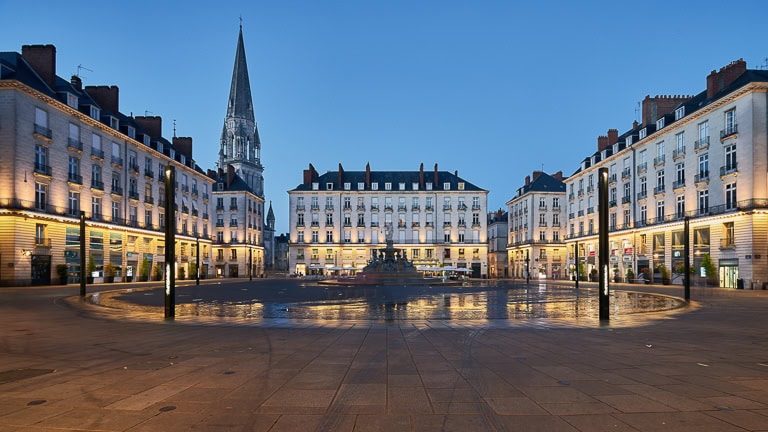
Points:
x=614, y=259
x=627, y=258
x=628, y=251
x=591, y=253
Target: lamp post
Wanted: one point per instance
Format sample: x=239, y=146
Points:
x=527, y=268
x=82, y=253
x=602, y=217
x=250, y=263
x=197, y=259
x=170, y=243
x=687, y=256
x=578, y=263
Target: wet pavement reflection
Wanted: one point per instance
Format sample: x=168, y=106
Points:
x=470, y=302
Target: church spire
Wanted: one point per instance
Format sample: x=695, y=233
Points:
x=240, y=101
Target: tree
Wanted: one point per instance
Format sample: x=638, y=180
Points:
x=144, y=269
x=710, y=272
x=665, y=276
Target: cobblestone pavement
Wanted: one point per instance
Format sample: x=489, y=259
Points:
x=65, y=365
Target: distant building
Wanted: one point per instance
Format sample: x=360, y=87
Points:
x=701, y=157
x=497, y=244
x=281, y=253
x=338, y=218
x=536, y=241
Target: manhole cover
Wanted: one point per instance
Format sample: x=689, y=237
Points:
x=20, y=374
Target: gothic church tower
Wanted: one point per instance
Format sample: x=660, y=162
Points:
x=240, y=144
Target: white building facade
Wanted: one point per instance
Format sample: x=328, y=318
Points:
x=338, y=218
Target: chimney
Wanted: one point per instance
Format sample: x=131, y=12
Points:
x=42, y=58
x=635, y=124
x=368, y=175
x=537, y=174
x=558, y=175
x=421, y=176
x=602, y=143
x=613, y=136
x=152, y=125
x=527, y=180
x=108, y=97
x=435, y=183
x=456, y=173
x=230, y=174
x=657, y=107
x=718, y=81
x=211, y=173
x=341, y=176
x=310, y=175
x=183, y=145
x=76, y=82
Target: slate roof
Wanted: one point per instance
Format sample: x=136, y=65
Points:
x=543, y=183
x=240, y=102
x=394, y=177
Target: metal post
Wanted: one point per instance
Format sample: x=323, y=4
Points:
x=527, y=268
x=578, y=263
x=687, y=256
x=602, y=245
x=250, y=263
x=197, y=260
x=170, y=242
x=82, y=253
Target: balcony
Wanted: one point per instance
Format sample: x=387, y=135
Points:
x=185, y=188
x=134, y=168
x=300, y=207
x=205, y=196
x=475, y=206
x=414, y=224
x=98, y=185
x=415, y=208
x=194, y=192
x=626, y=199
x=446, y=224
x=642, y=194
x=220, y=207
x=205, y=216
x=429, y=224
x=148, y=173
x=570, y=216
x=347, y=207
x=233, y=207
x=233, y=224
x=728, y=170
x=701, y=144
x=590, y=210
x=571, y=197
x=581, y=192
x=678, y=153
x=658, y=190
x=542, y=224
x=97, y=154
x=149, y=200
x=117, y=190
x=402, y=208
x=195, y=213
x=462, y=206
x=658, y=161
x=361, y=207
x=134, y=195
x=612, y=178
x=447, y=207
x=374, y=207
x=315, y=224
x=401, y=224
x=612, y=203
x=728, y=131
x=42, y=131
x=43, y=169
x=374, y=224
x=580, y=213
x=161, y=202
x=162, y=176
x=727, y=243
x=117, y=161
x=677, y=184
x=428, y=208
x=701, y=177
x=75, y=144
x=75, y=178
x=543, y=207
x=626, y=173
x=328, y=207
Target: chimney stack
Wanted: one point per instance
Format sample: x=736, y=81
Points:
x=152, y=125
x=613, y=136
x=341, y=176
x=183, y=145
x=368, y=175
x=435, y=183
x=558, y=175
x=42, y=58
x=657, y=107
x=76, y=82
x=230, y=174
x=310, y=175
x=602, y=143
x=527, y=180
x=421, y=176
x=718, y=81
x=108, y=97
x=536, y=174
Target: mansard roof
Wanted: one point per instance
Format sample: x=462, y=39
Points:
x=394, y=177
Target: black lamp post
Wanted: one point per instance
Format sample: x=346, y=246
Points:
x=197, y=260
x=170, y=242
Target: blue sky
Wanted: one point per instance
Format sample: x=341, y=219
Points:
x=493, y=89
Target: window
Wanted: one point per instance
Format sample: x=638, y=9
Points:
x=388, y=186
x=730, y=196
x=704, y=131
x=542, y=235
x=643, y=213
x=447, y=186
x=40, y=234
x=147, y=218
x=643, y=186
x=729, y=234
x=447, y=236
x=347, y=186
x=680, y=113
x=329, y=186
x=660, y=211
x=300, y=237
x=233, y=254
x=660, y=181
x=429, y=186
x=360, y=186
x=730, y=122
x=329, y=236
x=41, y=196
x=96, y=208
x=401, y=186
x=41, y=120
x=730, y=158
x=703, y=201
x=347, y=203
x=680, y=206
x=680, y=143
x=115, y=211
x=329, y=219
x=703, y=166
x=375, y=186
x=315, y=185
x=415, y=186
x=74, y=203
x=315, y=237
x=680, y=173
x=660, y=150
x=627, y=217
x=660, y=123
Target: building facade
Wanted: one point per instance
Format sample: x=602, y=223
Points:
x=68, y=148
x=497, y=244
x=536, y=243
x=702, y=158
x=338, y=218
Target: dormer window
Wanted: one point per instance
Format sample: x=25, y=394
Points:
x=461, y=185
x=402, y=186
x=387, y=186
x=183, y=159
x=375, y=186
x=315, y=185
x=95, y=112
x=615, y=148
x=629, y=141
x=132, y=132
x=72, y=100
x=660, y=123
x=172, y=154
x=146, y=140
x=447, y=186
x=160, y=147
x=415, y=186
x=360, y=186
x=114, y=123
x=680, y=113
x=329, y=186
x=429, y=186
x=347, y=186
x=643, y=133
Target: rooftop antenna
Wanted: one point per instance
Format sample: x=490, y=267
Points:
x=764, y=66
x=174, y=128
x=147, y=113
x=637, y=112
x=80, y=67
